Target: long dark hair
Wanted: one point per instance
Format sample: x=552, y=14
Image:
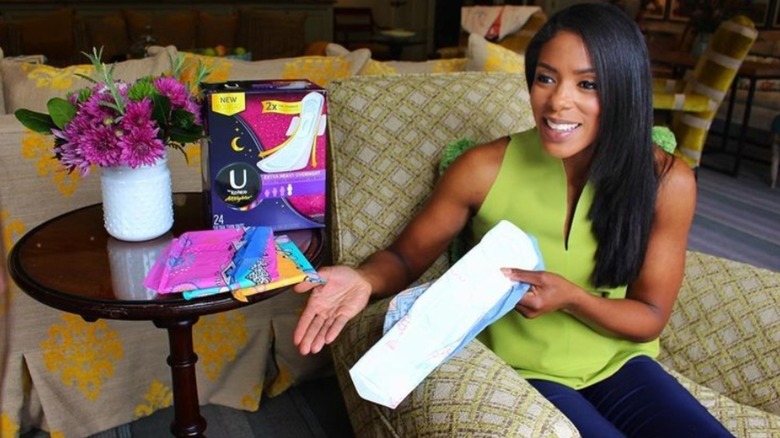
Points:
x=623, y=170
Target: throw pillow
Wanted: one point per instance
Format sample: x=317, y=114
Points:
x=459, y=246
x=486, y=56
x=318, y=69
x=374, y=67
x=30, y=86
x=518, y=41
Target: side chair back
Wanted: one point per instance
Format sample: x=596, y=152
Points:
x=711, y=78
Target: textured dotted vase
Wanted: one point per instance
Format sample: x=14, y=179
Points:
x=137, y=203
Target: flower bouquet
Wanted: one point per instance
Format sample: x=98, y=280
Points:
x=124, y=128
x=114, y=123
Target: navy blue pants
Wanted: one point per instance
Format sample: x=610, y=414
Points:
x=640, y=400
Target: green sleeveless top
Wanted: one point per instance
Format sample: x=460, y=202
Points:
x=530, y=191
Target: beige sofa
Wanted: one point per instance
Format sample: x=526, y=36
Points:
x=723, y=340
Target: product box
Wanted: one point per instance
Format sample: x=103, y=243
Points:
x=264, y=158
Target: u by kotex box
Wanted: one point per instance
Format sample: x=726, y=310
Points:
x=264, y=156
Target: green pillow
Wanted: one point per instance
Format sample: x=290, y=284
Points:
x=458, y=247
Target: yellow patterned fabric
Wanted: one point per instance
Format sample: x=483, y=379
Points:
x=76, y=378
x=388, y=132
x=374, y=67
x=31, y=85
x=318, y=69
x=668, y=95
x=725, y=330
x=486, y=56
x=744, y=421
x=711, y=78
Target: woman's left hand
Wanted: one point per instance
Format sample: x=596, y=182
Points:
x=548, y=292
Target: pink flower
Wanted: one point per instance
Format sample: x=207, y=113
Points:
x=178, y=94
x=139, y=142
x=174, y=90
x=114, y=123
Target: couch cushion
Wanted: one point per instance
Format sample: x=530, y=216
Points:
x=732, y=349
x=374, y=67
x=318, y=69
x=30, y=86
x=486, y=56
x=474, y=390
x=386, y=151
x=740, y=419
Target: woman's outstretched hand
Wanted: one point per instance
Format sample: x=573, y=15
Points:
x=330, y=307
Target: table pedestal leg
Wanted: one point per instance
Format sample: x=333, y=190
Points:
x=187, y=421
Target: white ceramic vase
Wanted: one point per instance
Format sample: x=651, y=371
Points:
x=137, y=203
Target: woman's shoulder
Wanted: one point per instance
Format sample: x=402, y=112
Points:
x=484, y=155
x=477, y=168
x=677, y=179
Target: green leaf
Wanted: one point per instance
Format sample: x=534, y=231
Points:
x=182, y=118
x=186, y=135
x=161, y=109
x=38, y=122
x=61, y=111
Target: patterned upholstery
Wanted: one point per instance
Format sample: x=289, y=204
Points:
x=374, y=119
x=735, y=348
x=388, y=134
x=473, y=393
x=710, y=80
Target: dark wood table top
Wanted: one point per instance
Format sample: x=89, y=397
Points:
x=72, y=264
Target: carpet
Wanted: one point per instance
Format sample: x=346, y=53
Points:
x=737, y=217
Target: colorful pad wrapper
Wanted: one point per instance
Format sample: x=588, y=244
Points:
x=201, y=263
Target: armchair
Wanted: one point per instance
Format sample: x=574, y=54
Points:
x=694, y=100
x=388, y=134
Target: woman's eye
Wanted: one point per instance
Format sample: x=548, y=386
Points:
x=543, y=78
x=589, y=85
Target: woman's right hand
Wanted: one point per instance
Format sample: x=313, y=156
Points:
x=330, y=306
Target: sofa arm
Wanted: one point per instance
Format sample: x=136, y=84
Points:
x=472, y=391
x=724, y=332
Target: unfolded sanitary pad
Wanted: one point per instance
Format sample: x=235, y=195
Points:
x=428, y=324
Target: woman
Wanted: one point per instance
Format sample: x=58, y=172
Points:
x=611, y=213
